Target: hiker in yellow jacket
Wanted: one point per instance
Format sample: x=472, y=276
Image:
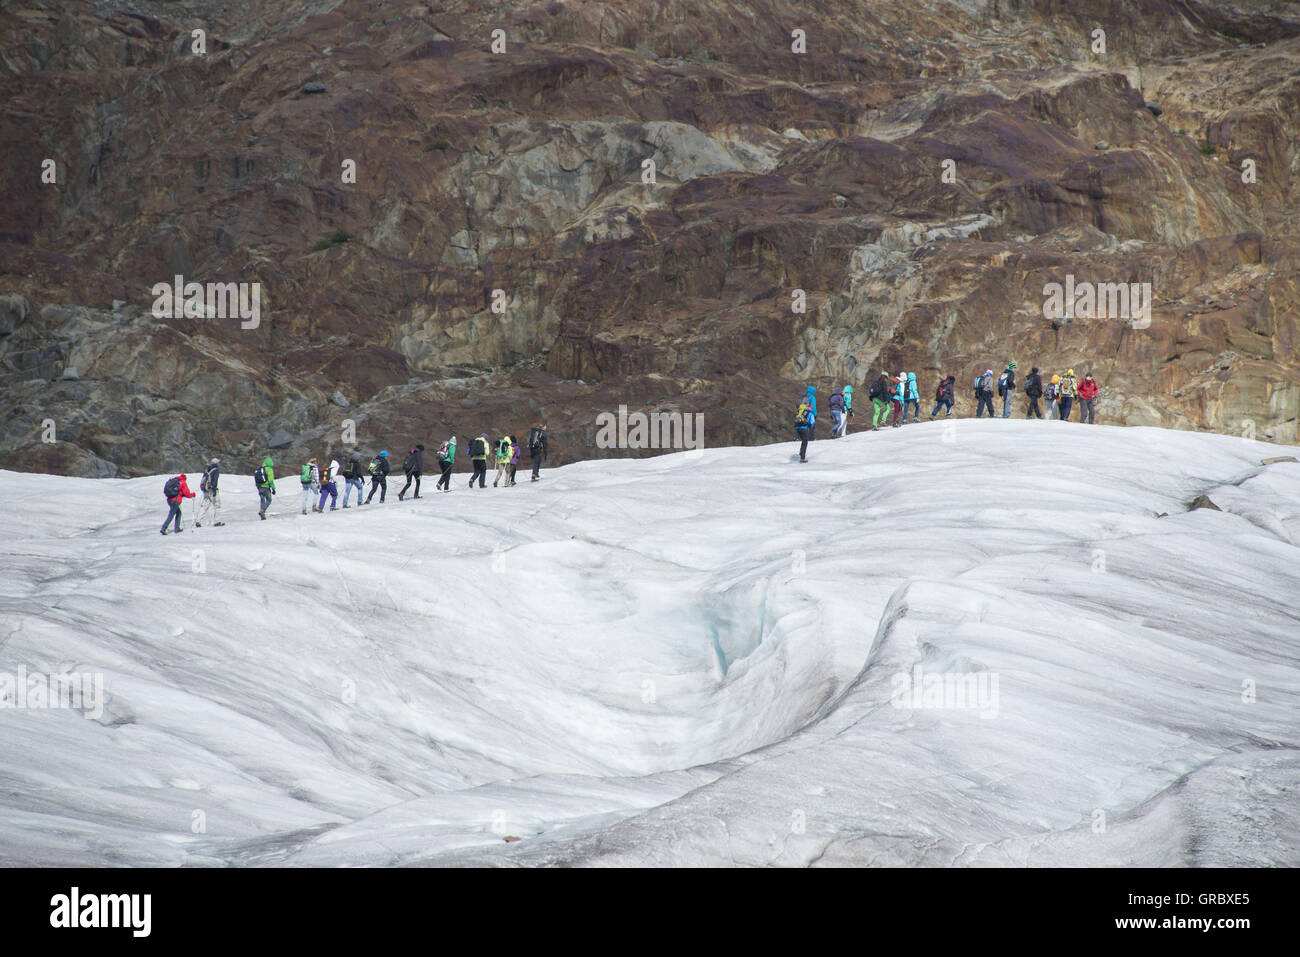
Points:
x=1066, y=391
x=503, y=459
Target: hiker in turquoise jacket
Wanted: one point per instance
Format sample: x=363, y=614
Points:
x=912, y=398
x=446, y=459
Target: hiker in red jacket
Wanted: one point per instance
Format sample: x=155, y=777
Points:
x=1087, y=398
x=177, y=490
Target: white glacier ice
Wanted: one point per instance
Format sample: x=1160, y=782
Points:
x=694, y=659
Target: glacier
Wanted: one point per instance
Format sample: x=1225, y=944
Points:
x=711, y=658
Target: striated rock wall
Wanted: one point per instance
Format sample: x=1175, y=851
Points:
x=919, y=171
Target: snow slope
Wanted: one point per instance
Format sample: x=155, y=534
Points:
x=692, y=659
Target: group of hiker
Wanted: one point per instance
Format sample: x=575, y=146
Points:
x=893, y=397
x=1058, y=395
x=320, y=483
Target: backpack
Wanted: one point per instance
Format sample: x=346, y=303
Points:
x=172, y=488
x=938, y=392
x=877, y=391
x=503, y=448
x=306, y=474
x=203, y=482
x=910, y=392
x=479, y=447
x=408, y=463
x=373, y=467
x=535, y=441
x=443, y=450
x=1049, y=392
x=259, y=475
x=803, y=416
x=1002, y=384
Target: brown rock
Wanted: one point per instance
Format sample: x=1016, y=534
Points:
x=920, y=176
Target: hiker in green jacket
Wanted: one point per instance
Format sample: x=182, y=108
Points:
x=265, y=479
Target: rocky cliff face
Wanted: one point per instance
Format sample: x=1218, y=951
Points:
x=452, y=237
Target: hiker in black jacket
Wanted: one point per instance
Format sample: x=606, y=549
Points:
x=1006, y=386
x=379, y=477
x=944, y=396
x=984, y=394
x=537, y=447
x=354, y=474
x=413, y=466
x=478, y=453
x=1033, y=392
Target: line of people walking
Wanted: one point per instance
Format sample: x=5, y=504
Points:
x=894, y=397
x=1058, y=395
x=320, y=483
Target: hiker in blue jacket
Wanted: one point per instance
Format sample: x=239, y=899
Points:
x=809, y=400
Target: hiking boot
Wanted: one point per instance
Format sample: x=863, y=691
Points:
x=416, y=495
x=218, y=525
x=198, y=524
x=162, y=531
x=347, y=506
x=262, y=516
x=334, y=508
